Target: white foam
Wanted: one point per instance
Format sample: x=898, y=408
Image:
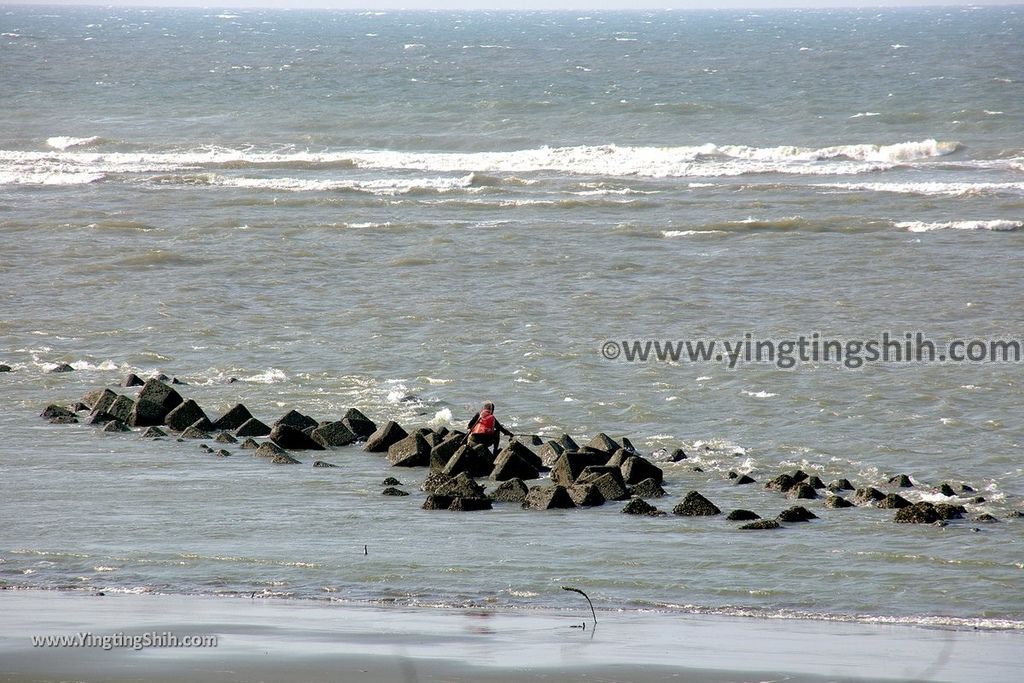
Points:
x=63, y=142
x=759, y=394
x=48, y=178
x=932, y=188
x=387, y=187
x=271, y=376
x=689, y=233
x=993, y=225
x=442, y=418
x=705, y=160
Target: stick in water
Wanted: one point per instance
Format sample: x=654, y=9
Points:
x=577, y=590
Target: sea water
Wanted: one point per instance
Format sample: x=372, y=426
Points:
x=411, y=213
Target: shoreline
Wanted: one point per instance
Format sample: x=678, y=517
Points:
x=294, y=640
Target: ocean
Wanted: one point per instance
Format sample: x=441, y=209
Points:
x=411, y=213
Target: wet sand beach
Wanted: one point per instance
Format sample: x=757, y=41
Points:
x=277, y=640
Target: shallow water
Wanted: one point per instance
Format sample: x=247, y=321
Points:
x=410, y=213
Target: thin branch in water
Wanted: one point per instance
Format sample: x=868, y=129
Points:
x=577, y=590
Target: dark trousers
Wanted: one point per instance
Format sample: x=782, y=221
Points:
x=487, y=441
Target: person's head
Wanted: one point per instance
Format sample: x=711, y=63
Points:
x=489, y=407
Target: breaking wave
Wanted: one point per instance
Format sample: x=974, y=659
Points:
x=996, y=226
x=707, y=160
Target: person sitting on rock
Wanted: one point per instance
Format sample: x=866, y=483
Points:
x=484, y=429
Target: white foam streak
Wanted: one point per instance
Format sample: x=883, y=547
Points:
x=933, y=189
x=707, y=160
x=690, y=233
x=63, y=142
x=378, y=187
x=49, y=178
x=271, y=376
x=995, y=225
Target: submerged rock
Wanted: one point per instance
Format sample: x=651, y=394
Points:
x=438, y=502
x=294, y=418
x=742, y=516
x=53, y=410
x=510, y=491
x=391, y=481
x=549, y=453
x=471, y=458
x=194, y=432
x=383, y=438
x=840, y=485
x=250, y=444
x=412, y=451
x=511, y=464
x=116, y=426
x=99, y=418
x=635, y=469
x=224, y=437
x=586, y=495
x=5, y=368
x=334, y=435
x=234, y=418
x=153, y=433
x=677, y=455
x=867, y=495
x=802, y=491
x=154, y=402
x=797, y=513
x=461, y=486
x=743, y=480
x=648, y=488
x=603, y=442
x=566, y=443
x=695, y=505
x=608, y=484
x=392, y=491
x=121, y=408
x=901, y=480
x=836, y=502
x=893, y=501
x=132, y=380
x=469, y=504
x=783, y=483
x=360, y=425
x=441, y=453
x=548, y=498
x=637, y=506
x=918, y=513
x=570, y=465
x=949, y=511
x=185, y=415
x=323, y=464
x=93, y=398
x=761, y=524
x=62, y=367
x=432, y=481
x=252, y=427
x=289, y=437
